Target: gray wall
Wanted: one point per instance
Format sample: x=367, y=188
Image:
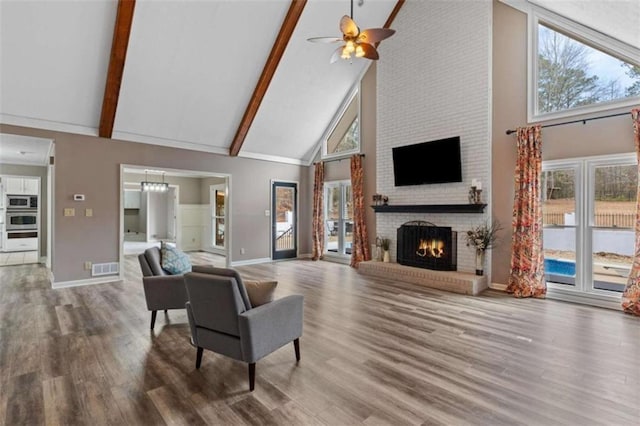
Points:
x=205, y=183
x=608, y=136
x=91, y=166
x=40, y=171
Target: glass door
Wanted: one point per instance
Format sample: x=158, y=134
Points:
x=338, y=218
x=612, y=213
x=561, y=219
x=218, y=203
x=284, y=220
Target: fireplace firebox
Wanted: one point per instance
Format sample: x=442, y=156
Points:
x=425, y=245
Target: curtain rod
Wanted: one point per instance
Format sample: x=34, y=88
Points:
x=583, y=121
x=337, y=159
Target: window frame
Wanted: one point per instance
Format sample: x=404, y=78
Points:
x=581, y=34
x=342, y=185
x=354, y=93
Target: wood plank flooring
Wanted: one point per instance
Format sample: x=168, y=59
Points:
x=374, y=351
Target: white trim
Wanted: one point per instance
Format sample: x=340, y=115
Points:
x=584, y=35
x=89, y=281
x=609, y=302
x=498, y=286
x=272, y=158
x=305, y=256
x=251, y=261
x=39, y=123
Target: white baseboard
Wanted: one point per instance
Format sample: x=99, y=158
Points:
x=251, y=261
x=88, y=281
x=214, y=250
x=498, y=286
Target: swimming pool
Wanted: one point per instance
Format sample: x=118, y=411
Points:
x=560, y=267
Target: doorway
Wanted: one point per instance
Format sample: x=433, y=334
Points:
x=218, y=206
x=338, y=217
x=284, y=220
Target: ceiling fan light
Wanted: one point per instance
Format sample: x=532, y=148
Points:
x=359, y=52
x=350, y=47
x=345, y=53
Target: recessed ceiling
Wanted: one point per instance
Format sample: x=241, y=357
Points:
x=24, y=150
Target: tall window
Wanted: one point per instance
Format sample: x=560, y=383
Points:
x=344, y=137
x=338, y=217
x=588, y=217
x=574, y=75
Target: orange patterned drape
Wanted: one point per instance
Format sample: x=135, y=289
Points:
x=360, y=245
x=631, y=295
x=317, y=225
x=526, y=278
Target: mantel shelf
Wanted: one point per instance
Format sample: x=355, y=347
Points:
x=430, y=208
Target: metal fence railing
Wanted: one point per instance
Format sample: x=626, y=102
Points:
x=612, y=220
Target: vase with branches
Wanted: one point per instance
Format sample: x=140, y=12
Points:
x=482, y=238
x=385, y=243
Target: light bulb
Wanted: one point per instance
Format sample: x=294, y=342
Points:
x=350, y=47
x=359, y=52
x=345, y=53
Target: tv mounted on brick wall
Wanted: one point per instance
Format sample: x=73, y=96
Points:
x=428, y=162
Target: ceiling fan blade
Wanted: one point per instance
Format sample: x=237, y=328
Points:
x=370, y=52
x=349, y=27
x=336, y=55
x=374, y=35
x=324, y=39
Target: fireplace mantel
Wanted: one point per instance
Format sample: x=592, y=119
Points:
x=430, y=208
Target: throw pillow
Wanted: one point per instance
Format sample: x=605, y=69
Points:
x=173, y=260
x=260, y=292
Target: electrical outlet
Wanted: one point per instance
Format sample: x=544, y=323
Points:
x=69, y=212
x=87, y=266
x=267, y=213
x=88, y=212
x=242, y=251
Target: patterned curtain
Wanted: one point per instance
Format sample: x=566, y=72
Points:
x=317, y=224
x=526, y=278
x=360, y=242
x=631, y=295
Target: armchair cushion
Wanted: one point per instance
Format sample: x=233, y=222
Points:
x=174, y=261
x=260, y=292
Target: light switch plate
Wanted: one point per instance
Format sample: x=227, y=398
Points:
x=88, y=212
x=267, y=213
x=70, y=212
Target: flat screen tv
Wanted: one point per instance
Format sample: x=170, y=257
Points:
x=428, y=162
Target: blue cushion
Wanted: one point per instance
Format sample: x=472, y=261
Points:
x=174, y=261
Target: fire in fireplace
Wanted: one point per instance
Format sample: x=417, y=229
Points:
x=428, y=246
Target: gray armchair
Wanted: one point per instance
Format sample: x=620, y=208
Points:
x=222, y=319
x=162, y=291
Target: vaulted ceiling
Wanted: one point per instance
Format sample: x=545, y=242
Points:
x=190, y=71
x=219, y=76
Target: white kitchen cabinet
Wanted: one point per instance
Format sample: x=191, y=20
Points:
x=21, y=186
x=131, y=199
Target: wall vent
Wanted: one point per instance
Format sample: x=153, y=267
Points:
x=98, y=269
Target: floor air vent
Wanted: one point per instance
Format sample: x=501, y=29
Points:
x=98, y=269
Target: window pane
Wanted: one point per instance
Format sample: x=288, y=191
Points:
x=559, y=198
x=615, y=191
x=559, y=221
x=346, y=135
x=348, y=214
x=572, y=74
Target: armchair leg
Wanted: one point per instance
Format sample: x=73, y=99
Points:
x=199, y=357
x=252, y=376
x=153, y=318
x=296, y=346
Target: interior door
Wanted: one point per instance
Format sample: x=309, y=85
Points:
x=172, y=202
x=284, y=220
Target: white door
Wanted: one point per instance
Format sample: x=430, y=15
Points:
x=172, y=209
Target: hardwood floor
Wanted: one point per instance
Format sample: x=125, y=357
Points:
x=374, y=351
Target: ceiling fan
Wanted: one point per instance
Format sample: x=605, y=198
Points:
x=356, y=42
